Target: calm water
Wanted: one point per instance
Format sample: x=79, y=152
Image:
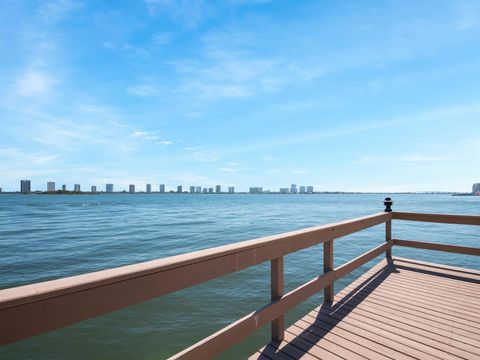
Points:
x=47, y=237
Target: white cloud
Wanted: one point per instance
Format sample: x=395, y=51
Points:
x=423, y=158
x=301, y=172
x=189, y=13
x=227, y=169
x=145, y=90
x=164, y=38
x=52, y=12
x=409, y=158
x=151, y=136
x=32, y=83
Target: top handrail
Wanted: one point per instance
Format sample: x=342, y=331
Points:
x=62, y=302
x=437, y=218
x=248, y=253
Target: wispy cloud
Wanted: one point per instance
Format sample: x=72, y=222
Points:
x=423, y=158
x=163, y=38
x=227, y=169
x=33, y=82
x=146, y=90
x=301, y=172
x=189, y=13
x=151, y=136
x=52, y=12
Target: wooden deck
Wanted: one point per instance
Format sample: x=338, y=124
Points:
x=400, y=309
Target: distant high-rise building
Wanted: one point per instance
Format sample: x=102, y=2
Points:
x=76, y=187
x=476, y=188
x=131, y=188
x=210, y=190
x=64, y=187
x=162, y=188
x=309, y=189
x=51, y=186
x=25, y=186
x=109, y=188
x=205, y=190
x=302, y=190
x=218, y=189
x=231, y=190
x=149, y=188
x=256, y=190
x=198, y=190
x=93, y=189
x=192, y=189
x=293, y=189
x=179, y=189
x=283, y=190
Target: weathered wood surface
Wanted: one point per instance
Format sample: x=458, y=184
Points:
x=400, y=309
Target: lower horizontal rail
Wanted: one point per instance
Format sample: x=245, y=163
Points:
x=233, y=333
x=438, y=247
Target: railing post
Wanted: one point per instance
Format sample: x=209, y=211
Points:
x=277, y=290
x=328, y=266
x=388, y=225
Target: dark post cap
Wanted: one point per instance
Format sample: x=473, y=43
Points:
x=388, y=204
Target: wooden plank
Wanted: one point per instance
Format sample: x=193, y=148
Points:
x=319, y=331
x=328, y=292
x=438, y=247
x=447, y=295
x=307, y=348
x=271, y=352
x=424, y=327
x=417, y=314
x=409, y=300
x=411, y=305
x=57, y=303
x=438, y=218
x=468, y=289
x=277, y=291
x=311, y=344
x=362, y=338
x=386, y=336
x=355, y=318
x=325, y=339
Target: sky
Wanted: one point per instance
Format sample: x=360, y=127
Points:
x=341, y=95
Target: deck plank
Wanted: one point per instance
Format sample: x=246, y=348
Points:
x=399, y=309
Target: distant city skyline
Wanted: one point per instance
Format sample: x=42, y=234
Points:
x=344, y=96
x=25, y=186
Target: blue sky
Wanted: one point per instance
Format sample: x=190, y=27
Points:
x=346, y=95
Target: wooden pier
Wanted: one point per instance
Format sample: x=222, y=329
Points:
x=400, y=309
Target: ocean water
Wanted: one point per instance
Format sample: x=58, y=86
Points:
x=45, y=237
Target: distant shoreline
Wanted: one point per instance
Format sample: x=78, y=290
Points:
x=237, y=193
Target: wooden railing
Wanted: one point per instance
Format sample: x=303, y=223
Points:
x=34, y=309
